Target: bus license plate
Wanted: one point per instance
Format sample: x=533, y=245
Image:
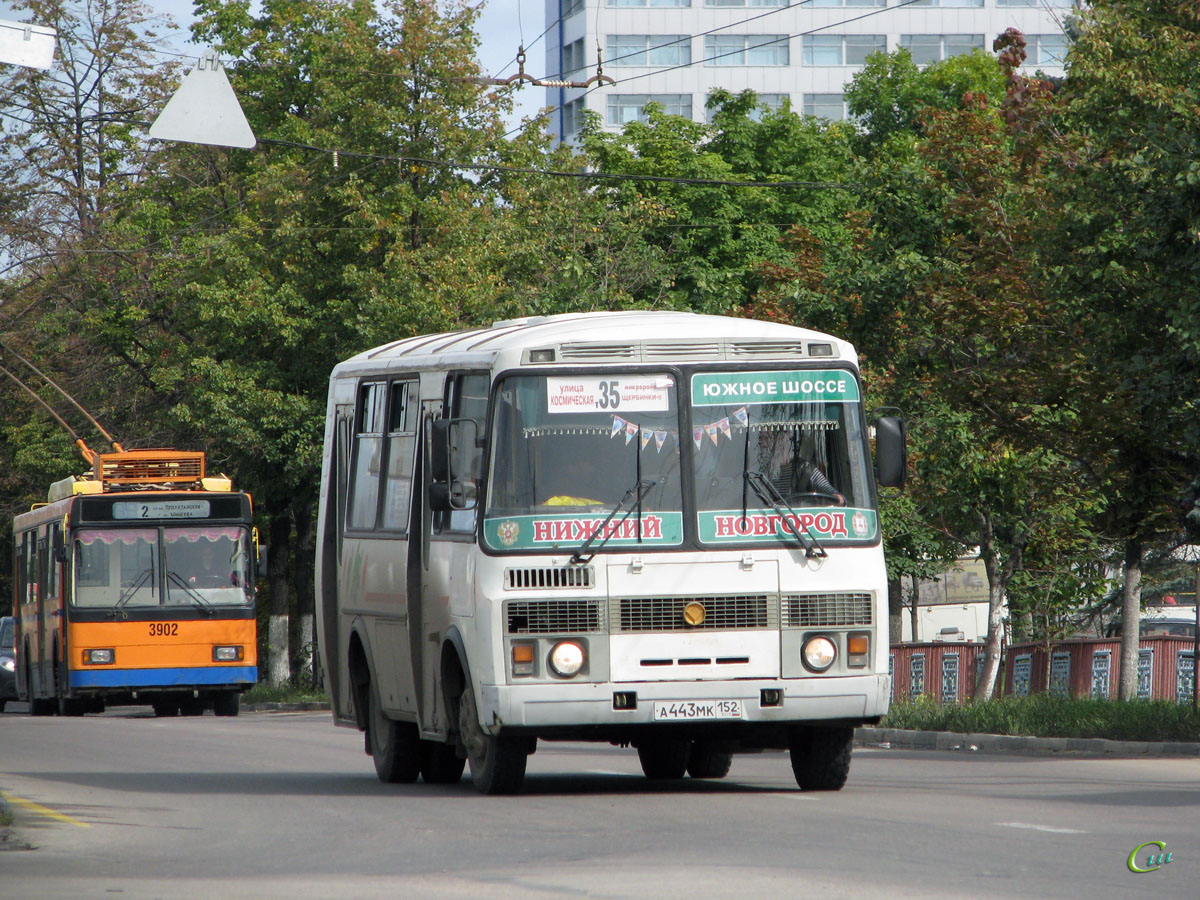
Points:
x=697, y=709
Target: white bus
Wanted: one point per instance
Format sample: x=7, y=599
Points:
x=654, y=529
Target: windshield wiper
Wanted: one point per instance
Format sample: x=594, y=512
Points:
x=639, y=488
x=191, y=592
x=132, y=589
x=788, y=517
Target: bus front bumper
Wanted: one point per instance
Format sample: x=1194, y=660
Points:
x=852, y=699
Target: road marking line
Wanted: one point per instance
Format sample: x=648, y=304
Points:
x=44, y=811
x=1033, y=827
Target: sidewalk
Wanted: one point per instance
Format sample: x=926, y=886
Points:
x=897, y=738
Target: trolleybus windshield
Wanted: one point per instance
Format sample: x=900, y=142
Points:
x=568, y=448
x=190, y=565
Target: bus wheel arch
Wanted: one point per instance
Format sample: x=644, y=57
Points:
x=360, y=679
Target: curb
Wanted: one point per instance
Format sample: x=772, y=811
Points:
x=1012, y=743
x=306, y=706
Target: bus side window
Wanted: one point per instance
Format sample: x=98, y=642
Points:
x=401, y=452
x=368, y=456
x=468, y=398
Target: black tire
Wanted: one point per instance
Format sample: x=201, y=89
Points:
x=821, y=757
x=396, y=747
x=708, y=760
x=227, y=704
x=442, y=764
x=191, y=707
x=2, y=705
x=497, y=762
x=165, y=708
x=665, y=759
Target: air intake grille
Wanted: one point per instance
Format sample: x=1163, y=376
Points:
x=720, y=613
x=787, y=349
x=827, y=610
x=533, y=579
x=598, y=351
x=552, y=616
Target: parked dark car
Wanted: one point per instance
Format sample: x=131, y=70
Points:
x=8, y=668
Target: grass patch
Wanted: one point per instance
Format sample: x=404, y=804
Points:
x=266, y=693
x=1044, y=715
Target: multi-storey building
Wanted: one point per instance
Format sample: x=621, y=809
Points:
x=676, y=52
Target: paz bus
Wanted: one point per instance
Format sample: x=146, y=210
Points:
x=135, y=584
x=654, y=529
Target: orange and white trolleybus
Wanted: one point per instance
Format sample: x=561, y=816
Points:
x=654, y=529
x=135, y=584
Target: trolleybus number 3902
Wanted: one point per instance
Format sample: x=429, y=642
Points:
x=698, y=709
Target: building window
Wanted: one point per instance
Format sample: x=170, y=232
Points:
x=950, y=678
x=1022, y=674
x=652, y=4
x=724, y=4
x=746, y=50
x=572, y=116
x=623, y=108
x=572, y=57
x=813, y=4
x=825, y=106
x=649, y=50
x=1101, y=666
x=916, y=675
x=568, y=8
x=948, y=4
x=841, y=49
x=1060, y=674
x=1185, y=674
x=1045, y=49
x=892, y=677
x=1145, y=673
x=928, y=48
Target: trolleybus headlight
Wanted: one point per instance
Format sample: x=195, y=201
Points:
x=819, y=653
x=8, y=663
x=566, y=659
x=227, y=654
x=98, y=657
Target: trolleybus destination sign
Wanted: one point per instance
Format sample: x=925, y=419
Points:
x=799, y=386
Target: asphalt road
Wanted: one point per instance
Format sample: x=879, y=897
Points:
x=285, y=805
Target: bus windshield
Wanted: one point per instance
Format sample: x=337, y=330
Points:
x=567, y=449
x=772, y=445
x=177, y=566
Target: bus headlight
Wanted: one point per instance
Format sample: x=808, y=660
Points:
x=566, y=659
x=819, y=653
x=98, y=657
x=227, y=654
x=8, y=663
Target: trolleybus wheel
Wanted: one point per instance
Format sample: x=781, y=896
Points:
x=227, y=704
x=165, y=708
x=442, y=764
x=395, y=746
x=708, y=760
x=821, y=757
x=38, y=706
x=497, y=762
x=664, y=759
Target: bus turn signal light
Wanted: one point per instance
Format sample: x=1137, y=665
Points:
x=858, y=648
x=522, y=659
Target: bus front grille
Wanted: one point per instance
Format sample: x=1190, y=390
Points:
x=549, y=577
x=633, y=614
x=553, y=616
x=827, y=610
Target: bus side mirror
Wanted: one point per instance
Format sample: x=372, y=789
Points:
x=454, y=457
x=891, y=451
x=261, y=564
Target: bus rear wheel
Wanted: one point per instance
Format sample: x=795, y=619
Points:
x=395, y=746
x=665, y=759
x=821, y=757
x=497, y=762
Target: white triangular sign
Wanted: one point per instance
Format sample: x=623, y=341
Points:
x=204, y=110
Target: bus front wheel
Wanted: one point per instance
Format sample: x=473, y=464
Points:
x=497, y=762
x=227, y=704
x=665, y=759
x=821, y=757
x=395, y=746
x=709, y=759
